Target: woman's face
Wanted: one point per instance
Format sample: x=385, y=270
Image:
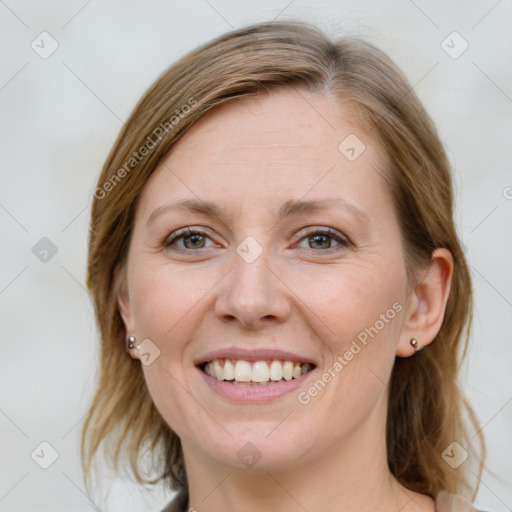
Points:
x=263, y=276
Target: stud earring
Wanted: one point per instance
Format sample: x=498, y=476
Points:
x=130, y=342
x=415, y=344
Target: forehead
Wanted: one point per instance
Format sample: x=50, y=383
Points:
x=282, y=145
x=274, y=125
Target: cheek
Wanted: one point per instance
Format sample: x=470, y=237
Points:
x=165, y=300
x=361, y=317
x=350, y=301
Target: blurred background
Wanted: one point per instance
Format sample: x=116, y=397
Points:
x=71, y=74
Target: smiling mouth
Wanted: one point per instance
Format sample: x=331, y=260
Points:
x=245, y=373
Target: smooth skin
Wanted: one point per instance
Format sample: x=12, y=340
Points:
x=307, y=292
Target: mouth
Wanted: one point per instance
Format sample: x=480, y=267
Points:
x=240, y=372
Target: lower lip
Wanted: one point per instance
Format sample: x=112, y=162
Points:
x=254, y=393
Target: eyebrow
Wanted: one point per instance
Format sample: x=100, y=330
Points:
x=291, y=208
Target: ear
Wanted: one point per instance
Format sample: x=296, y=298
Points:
x=125, y=308
x=427, y=304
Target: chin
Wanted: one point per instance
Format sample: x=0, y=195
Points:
x=257, y=451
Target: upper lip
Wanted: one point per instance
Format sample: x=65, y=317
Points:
x=253, y=355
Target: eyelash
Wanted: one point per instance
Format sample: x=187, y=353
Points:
x=186, y=232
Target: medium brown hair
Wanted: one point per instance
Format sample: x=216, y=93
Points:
x=427, y=410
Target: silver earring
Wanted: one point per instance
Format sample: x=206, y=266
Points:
x=414, y=344
x=130, y=343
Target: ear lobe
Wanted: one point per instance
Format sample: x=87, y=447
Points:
x=427, y=304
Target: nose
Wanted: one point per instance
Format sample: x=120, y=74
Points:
x=253, y=295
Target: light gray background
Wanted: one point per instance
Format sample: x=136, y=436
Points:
x=60, y=118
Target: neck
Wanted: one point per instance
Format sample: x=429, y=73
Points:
x=354, y=476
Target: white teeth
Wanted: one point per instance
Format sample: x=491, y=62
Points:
x=259, y=372
x=288, y=370
x=219, y=371
x=276, y=370
x=243, y=371
x=229, y=370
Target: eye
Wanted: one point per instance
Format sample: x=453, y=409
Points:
x=322, y=239
x=192, y=239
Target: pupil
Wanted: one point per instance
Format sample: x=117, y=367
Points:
x=316, y=237
x=195, y=239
